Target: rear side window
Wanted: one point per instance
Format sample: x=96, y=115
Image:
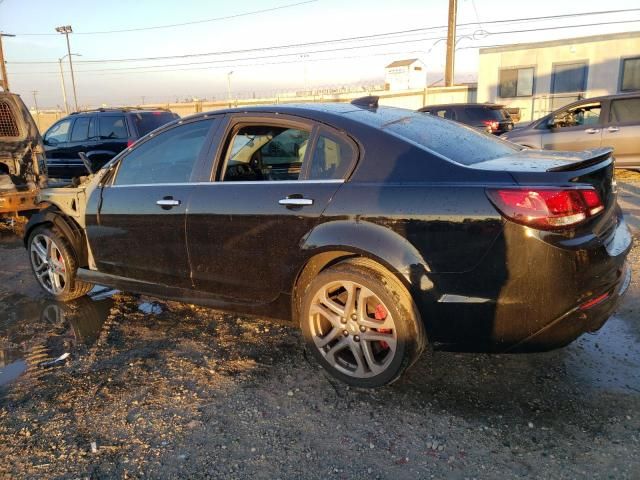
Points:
x=331, y=160
x=627, y=110
x=8, y=124
x=149, y=121
x=458, y=143
x=80, y=130
x=484, y=113
x=113, y=127
x=168, y=157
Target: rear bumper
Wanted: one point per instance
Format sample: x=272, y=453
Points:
x=569, y=326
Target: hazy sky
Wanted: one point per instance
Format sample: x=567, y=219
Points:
x=266, y=71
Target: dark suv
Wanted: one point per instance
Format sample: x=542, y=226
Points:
x=489, y=117
x=99, y=134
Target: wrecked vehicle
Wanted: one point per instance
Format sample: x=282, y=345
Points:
x=23, y=169
x=379, y=230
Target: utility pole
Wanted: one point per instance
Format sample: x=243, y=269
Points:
x=451, y=44
x=4, y=81
x=35, y=101
x=229, y=87
x=66, y=30
x=64, y=90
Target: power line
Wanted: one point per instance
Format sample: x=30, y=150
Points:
x=349, y=39
x=173, y=25
x=336, y=49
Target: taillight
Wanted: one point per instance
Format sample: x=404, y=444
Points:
x=130, y=142
x=546, y=208
x=491, y=125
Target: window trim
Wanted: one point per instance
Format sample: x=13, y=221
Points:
x=584, y=62
x=621, y=74
x=117, y=161
x=519, y=67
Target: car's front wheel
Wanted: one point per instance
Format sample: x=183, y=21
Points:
x=54, y=264
x=361, y=324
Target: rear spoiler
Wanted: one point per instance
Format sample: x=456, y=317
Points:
x=591, y=157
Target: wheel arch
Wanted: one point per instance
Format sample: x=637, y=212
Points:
x=373, y=245
x=74, y=233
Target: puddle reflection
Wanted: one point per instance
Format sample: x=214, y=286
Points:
x=36, y=331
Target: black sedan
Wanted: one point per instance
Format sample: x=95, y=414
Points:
x=379, y=230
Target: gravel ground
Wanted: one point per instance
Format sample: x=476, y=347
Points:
x=167, y=390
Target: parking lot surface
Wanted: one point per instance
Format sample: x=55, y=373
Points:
x=161, y=389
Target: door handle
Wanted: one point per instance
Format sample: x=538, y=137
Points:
x=613, y=129
x=296, y=202
x=168, y=203
x=591, y=131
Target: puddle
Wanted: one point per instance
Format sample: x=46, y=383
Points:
x=150, y=308
x=608, y=360
x=36, y=331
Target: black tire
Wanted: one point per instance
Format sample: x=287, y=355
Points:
x=410, y=338
x=69, y=287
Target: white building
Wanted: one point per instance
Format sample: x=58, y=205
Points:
x=405, y=75
x=543, y=76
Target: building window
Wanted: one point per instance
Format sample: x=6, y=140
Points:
x=516, y=82
x=569, y=78
x=630, y=74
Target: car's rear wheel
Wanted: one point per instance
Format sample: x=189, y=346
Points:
x=361, y=325
x=54, y=264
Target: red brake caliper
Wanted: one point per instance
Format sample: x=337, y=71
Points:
x=381, y=314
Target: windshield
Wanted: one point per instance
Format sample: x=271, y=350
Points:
x=148, y=121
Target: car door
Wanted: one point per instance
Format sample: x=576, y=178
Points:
x=136, y=220
x=56, y=146
x=82, y=139
x=577, y=127
x=272, y=181
x=113, y=136
x=622, y=131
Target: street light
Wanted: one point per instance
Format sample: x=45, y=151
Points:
x=229, y=87
x=64, y=90
x=66, y=30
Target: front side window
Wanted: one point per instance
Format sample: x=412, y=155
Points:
x=266, y=153
x=168, y=157
x=626, y=110
x=569, y=77
x=331, y=159
x=80, y=130
x=113, y=128
x=516, y=82
x=59, y=132
x=582, y=115
x=630, y=74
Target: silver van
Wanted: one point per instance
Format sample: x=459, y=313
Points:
x=611, y=121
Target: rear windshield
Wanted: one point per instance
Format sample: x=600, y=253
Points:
x=452, y=140
x=478, y=114
x=148, y=121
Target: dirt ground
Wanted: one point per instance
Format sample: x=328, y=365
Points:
x=166, y=390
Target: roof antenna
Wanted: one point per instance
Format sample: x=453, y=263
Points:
x=370, y=101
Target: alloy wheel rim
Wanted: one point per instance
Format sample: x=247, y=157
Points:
x=353, y=329
x=48, y=264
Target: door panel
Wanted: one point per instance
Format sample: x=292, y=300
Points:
x=134, y=237
x=576, y=128
x=243, y=243
x=623, y=131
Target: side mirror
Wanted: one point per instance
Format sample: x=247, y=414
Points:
x=52, y=142
x=551, y=123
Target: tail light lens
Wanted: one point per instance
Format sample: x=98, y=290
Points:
x=491, y=125
x=546, y=208
x=130, y=143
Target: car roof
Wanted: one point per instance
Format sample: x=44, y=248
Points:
x=120, y=110
x=614, y=96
